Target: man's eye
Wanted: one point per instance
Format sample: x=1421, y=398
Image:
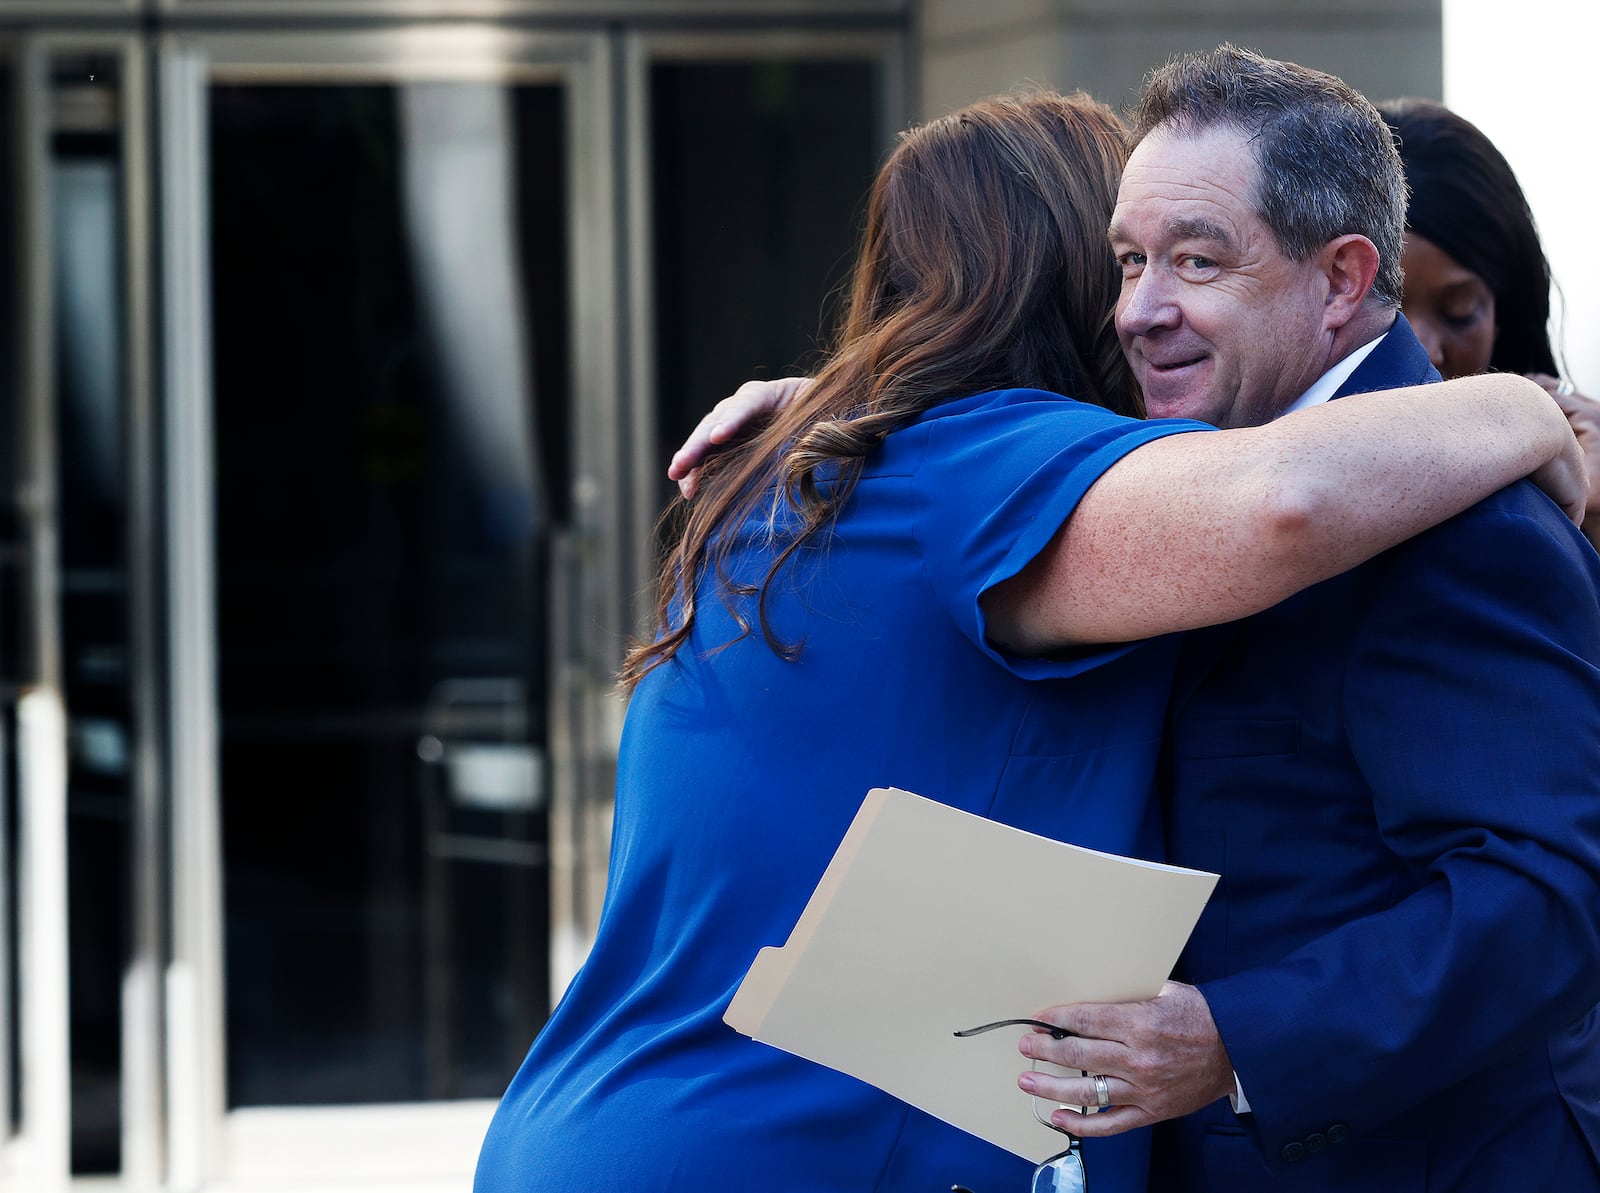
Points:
x=1130, y=261
x=1194, y=262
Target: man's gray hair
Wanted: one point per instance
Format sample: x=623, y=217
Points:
x=1326, y=160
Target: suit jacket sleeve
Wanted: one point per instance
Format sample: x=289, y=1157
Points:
x=1472, y=704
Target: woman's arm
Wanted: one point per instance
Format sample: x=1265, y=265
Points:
x=1583, y=412
x=1193, y=530
x=730, y=419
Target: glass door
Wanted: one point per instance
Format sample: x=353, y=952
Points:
x=393, y=451
x=81, y=1085
x=753, y=153
x=96, y=178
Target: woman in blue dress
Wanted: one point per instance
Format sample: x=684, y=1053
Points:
x=933, y=571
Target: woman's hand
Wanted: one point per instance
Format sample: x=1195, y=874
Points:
x=1583, y=413
x=730, y=419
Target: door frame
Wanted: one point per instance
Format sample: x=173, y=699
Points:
x=40, y=1155
x=206, y=1141
x=590, y=11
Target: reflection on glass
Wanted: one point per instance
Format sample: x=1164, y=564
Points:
x=760, y=170
x=389, y=332
x=86, y=211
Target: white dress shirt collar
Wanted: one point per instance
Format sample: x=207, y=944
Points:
x=1325, y=386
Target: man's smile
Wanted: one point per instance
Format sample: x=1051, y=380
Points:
x=1172, y=366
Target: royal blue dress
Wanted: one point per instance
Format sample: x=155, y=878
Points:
x=739, y=773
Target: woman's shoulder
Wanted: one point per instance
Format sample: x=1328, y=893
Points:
x=1007, y=431
x=996, y=400
x=1002, y=410
x=1006, y=420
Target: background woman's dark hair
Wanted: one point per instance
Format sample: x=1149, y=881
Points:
x=1466, y=199
x=983, y=265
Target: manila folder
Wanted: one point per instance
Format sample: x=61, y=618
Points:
x=930, y=920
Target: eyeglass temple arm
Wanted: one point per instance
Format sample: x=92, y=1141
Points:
x=1058, y=1033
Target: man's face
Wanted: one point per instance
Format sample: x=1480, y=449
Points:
x=1216, y=321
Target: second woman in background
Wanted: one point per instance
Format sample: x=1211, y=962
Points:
x=1477, y=288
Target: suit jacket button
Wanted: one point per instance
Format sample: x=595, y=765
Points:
x=1337, y=1132
x=1294, y=1152
x=1315, y=1142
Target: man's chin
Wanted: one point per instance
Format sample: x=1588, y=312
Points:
x=1184, y=392
x=1180, y=402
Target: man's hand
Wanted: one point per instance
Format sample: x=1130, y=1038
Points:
x=1161, y=1059
x=729, y=420
x=1583, y=413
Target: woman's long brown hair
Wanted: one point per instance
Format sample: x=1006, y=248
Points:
x=983, y=265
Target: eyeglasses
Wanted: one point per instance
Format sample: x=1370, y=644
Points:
x=1063, y=1173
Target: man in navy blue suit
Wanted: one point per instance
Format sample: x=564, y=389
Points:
x=1397, y=772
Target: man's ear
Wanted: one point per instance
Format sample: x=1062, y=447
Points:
x=1350, y=264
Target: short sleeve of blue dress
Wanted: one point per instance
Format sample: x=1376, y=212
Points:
x=739, y=772
x=1002, y=473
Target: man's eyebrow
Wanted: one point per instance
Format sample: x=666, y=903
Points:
x=1190, y=228
x=1198, y=229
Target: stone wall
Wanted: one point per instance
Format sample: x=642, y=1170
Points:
x=972, y=48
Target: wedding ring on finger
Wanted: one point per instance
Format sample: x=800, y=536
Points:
x=1564, y=387
x=1102, y=1094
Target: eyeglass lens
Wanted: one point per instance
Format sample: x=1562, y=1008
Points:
x=1064, y=1174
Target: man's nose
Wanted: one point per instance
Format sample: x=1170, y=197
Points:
x=1146, y=304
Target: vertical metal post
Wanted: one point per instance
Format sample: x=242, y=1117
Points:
x=41, y=716
x=8, y=434
x=194, y=974
x=586, y=585
x=143, y=1091
x=42, y=887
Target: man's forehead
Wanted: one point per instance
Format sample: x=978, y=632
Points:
x=1229, y=147
x=1188, y=186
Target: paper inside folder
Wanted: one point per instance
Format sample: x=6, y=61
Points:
x=929, y=921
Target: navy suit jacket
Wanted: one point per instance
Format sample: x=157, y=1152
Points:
x=1397, y=774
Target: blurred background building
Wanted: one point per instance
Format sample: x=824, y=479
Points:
x=342, y=345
